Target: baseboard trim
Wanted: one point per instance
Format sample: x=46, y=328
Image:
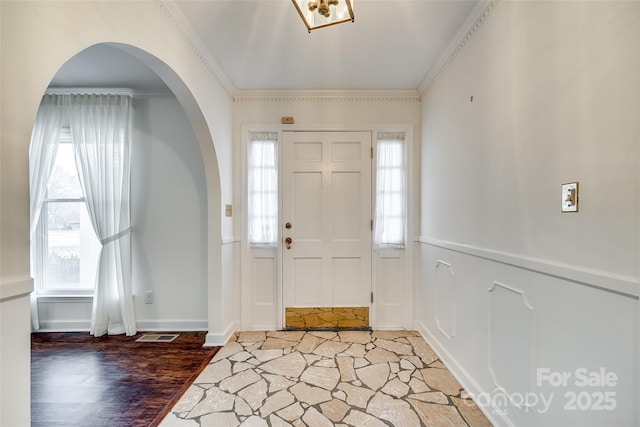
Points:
x=141, y=325
x=64, y=326
x=464, y=378
x=172, y=325
x=217, y=339
x=271, y=327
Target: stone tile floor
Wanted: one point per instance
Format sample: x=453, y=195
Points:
x=317, y=379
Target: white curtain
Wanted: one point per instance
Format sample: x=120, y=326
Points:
x=42, y=156
x=263, y=190
x=391, y=197
x=100, y=130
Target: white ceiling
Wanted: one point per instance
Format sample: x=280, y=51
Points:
x=263, y=45
x=104, y=66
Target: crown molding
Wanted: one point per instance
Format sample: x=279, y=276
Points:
x=475, y=19
x=173, y=13
x=326, y=95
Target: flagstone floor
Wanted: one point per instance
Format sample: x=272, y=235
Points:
x=317, y=379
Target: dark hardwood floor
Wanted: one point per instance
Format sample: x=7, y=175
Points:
x=80, y=380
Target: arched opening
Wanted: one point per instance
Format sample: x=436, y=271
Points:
x=175, y=190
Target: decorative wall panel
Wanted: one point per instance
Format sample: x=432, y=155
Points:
x=511, y=324
x=445, y=298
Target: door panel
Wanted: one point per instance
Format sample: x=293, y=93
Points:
x=307, y=206
x=327, y=201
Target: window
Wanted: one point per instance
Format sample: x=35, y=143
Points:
x=263, y=189
x=391, y=200
x=67, y=247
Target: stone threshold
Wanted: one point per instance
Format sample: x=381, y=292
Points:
x=336, y=329
x=326, y=318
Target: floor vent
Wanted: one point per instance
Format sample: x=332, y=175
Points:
x=157, y=338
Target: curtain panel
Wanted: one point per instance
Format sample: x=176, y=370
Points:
x=42, y=156
x=100, y=131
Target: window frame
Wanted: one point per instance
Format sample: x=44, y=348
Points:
x=42, y=242
x=271, y=138
x=401, y=139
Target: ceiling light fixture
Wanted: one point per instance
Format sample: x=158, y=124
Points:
x=322, y=13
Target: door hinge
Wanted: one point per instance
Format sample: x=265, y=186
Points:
x=371, y=225
x=371, y=297
x=372, y=152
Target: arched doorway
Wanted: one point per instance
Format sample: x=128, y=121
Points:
x=113, y=66
x=37, y=39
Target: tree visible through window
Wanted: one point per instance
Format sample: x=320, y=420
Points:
x=67, y=247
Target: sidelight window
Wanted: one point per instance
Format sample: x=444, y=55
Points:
x=391, y=196
x=263, y=189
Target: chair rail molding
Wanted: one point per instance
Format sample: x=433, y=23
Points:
x=628, y=286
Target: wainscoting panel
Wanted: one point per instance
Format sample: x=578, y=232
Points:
x=510, y=336
x=264, y=273
x=390, y=273
x=265, y=269
x=445, y=299
x=525, y=340
x=390, y=301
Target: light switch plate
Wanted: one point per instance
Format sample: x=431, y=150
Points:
x=570, y=197
x=228, y=210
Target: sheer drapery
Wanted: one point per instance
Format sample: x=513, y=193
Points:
x=263, y=189
x=42, y=156
x=391, y=198
x=100, y=129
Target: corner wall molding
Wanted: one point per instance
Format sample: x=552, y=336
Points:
x=326, y=96
x=468, y=29
x=171, y=11
x=628, y=286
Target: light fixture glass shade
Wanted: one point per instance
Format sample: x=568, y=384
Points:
x=322, y=13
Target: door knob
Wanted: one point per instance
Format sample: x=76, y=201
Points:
x=288, y=242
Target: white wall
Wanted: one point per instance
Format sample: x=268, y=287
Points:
x=508, y=283
x=37, y=38
x=169, y=217
x=259, y=111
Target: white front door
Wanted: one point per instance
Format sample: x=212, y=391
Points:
x=327, y=215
